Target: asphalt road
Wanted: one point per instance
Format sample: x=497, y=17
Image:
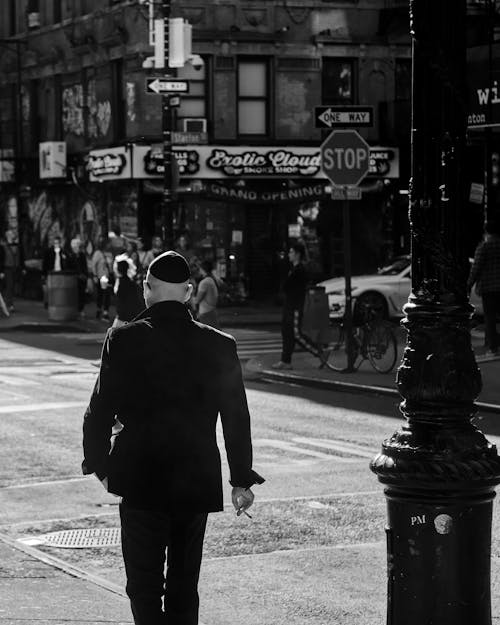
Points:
x=314, y=551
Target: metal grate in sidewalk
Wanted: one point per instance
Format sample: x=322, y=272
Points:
x=77, y=538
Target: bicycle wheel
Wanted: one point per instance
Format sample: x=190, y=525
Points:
x=335, y=351
x=382, y=349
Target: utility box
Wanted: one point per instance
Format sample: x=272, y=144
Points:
x=316, y=320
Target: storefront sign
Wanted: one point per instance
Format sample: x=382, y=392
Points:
x=109, y=164
x=383, y=162
x=259, y=162
x=483, y=86
x=251, y=194
x=148, y=161
x=263, y=162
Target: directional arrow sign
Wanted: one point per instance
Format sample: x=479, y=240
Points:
x=343, y=116
x=165, y=85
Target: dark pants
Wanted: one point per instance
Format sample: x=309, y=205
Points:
x=146, y=536
x=288, y=333
x=9, y=283
x=82, y=289
x=102, y=297
x=491, y=308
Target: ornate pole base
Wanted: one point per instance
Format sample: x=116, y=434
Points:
x=440, y=472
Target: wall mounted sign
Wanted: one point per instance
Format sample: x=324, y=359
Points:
x=52, y=159
x=249, y=162
x=483, y=87
x=109, y=164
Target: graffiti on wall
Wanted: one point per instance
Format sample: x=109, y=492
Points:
x=72, y=110
x=99, y=118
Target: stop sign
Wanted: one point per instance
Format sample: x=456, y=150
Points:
x=345, y=157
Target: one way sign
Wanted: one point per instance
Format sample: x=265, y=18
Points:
x=343, y=116
x=166, y=85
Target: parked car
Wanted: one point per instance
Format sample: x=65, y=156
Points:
x=385, y=292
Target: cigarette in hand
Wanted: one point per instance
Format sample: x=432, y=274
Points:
x=240, y=512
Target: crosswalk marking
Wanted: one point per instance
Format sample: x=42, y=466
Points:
x=301, y=446
x=341, y=446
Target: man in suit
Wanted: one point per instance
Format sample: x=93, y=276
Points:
x=55, y=258
x=166, y=378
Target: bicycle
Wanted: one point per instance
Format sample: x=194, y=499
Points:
x=373, y=339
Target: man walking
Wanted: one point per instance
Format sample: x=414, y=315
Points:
x=485, y=273
x=166, y=378
x=294, y=289
x=8, y=267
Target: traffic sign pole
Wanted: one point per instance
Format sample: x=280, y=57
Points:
x=345, y=161
x=348, y=325
x=168, y=122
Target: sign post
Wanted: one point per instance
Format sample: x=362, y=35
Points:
x=345, y=162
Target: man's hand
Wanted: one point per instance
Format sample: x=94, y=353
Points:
x=242, y=499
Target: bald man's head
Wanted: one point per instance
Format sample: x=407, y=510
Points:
x=167, y=279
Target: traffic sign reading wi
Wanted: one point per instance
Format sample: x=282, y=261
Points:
x=166, y=85
x=331, y=116
x=345, y=158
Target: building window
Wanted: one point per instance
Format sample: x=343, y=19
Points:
x=338, y=81
x=12, y=18
x=253, y=96
x=57, y=13
x=194, y=103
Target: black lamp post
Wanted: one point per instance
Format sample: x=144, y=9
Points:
x=439, y=471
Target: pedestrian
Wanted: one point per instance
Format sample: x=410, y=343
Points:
x=129, y=301
x=101, y=275
x=117, y=242
x=294, y=290
x=157, y=247
x=144, y=259
x=78, y=263
x=207, y=294
x=485, y=274
x=55, y=259
x=9, y=260
x=166, y=378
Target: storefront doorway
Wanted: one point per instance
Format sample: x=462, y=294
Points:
x=267, y=240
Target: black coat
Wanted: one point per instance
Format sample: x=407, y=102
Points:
x=166, y=378
x=129, y=300
x=49, y=258
x=295, y=286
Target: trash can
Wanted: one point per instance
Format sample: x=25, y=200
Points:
x=62, y=295
x=316, y=319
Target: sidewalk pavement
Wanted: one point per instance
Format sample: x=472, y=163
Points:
x=36, y=587
x=306, y=372
x=31, y=316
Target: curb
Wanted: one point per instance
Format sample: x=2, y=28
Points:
x=347, y=387
x=41, y=327
x=33, y=326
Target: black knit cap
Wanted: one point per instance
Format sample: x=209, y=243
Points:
x=170, y=267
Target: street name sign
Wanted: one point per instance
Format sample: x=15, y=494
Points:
x=166, y=85
x=343, y=116
x=345, y=158
x=346, y=193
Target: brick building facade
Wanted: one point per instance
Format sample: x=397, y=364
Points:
x=245, y=142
